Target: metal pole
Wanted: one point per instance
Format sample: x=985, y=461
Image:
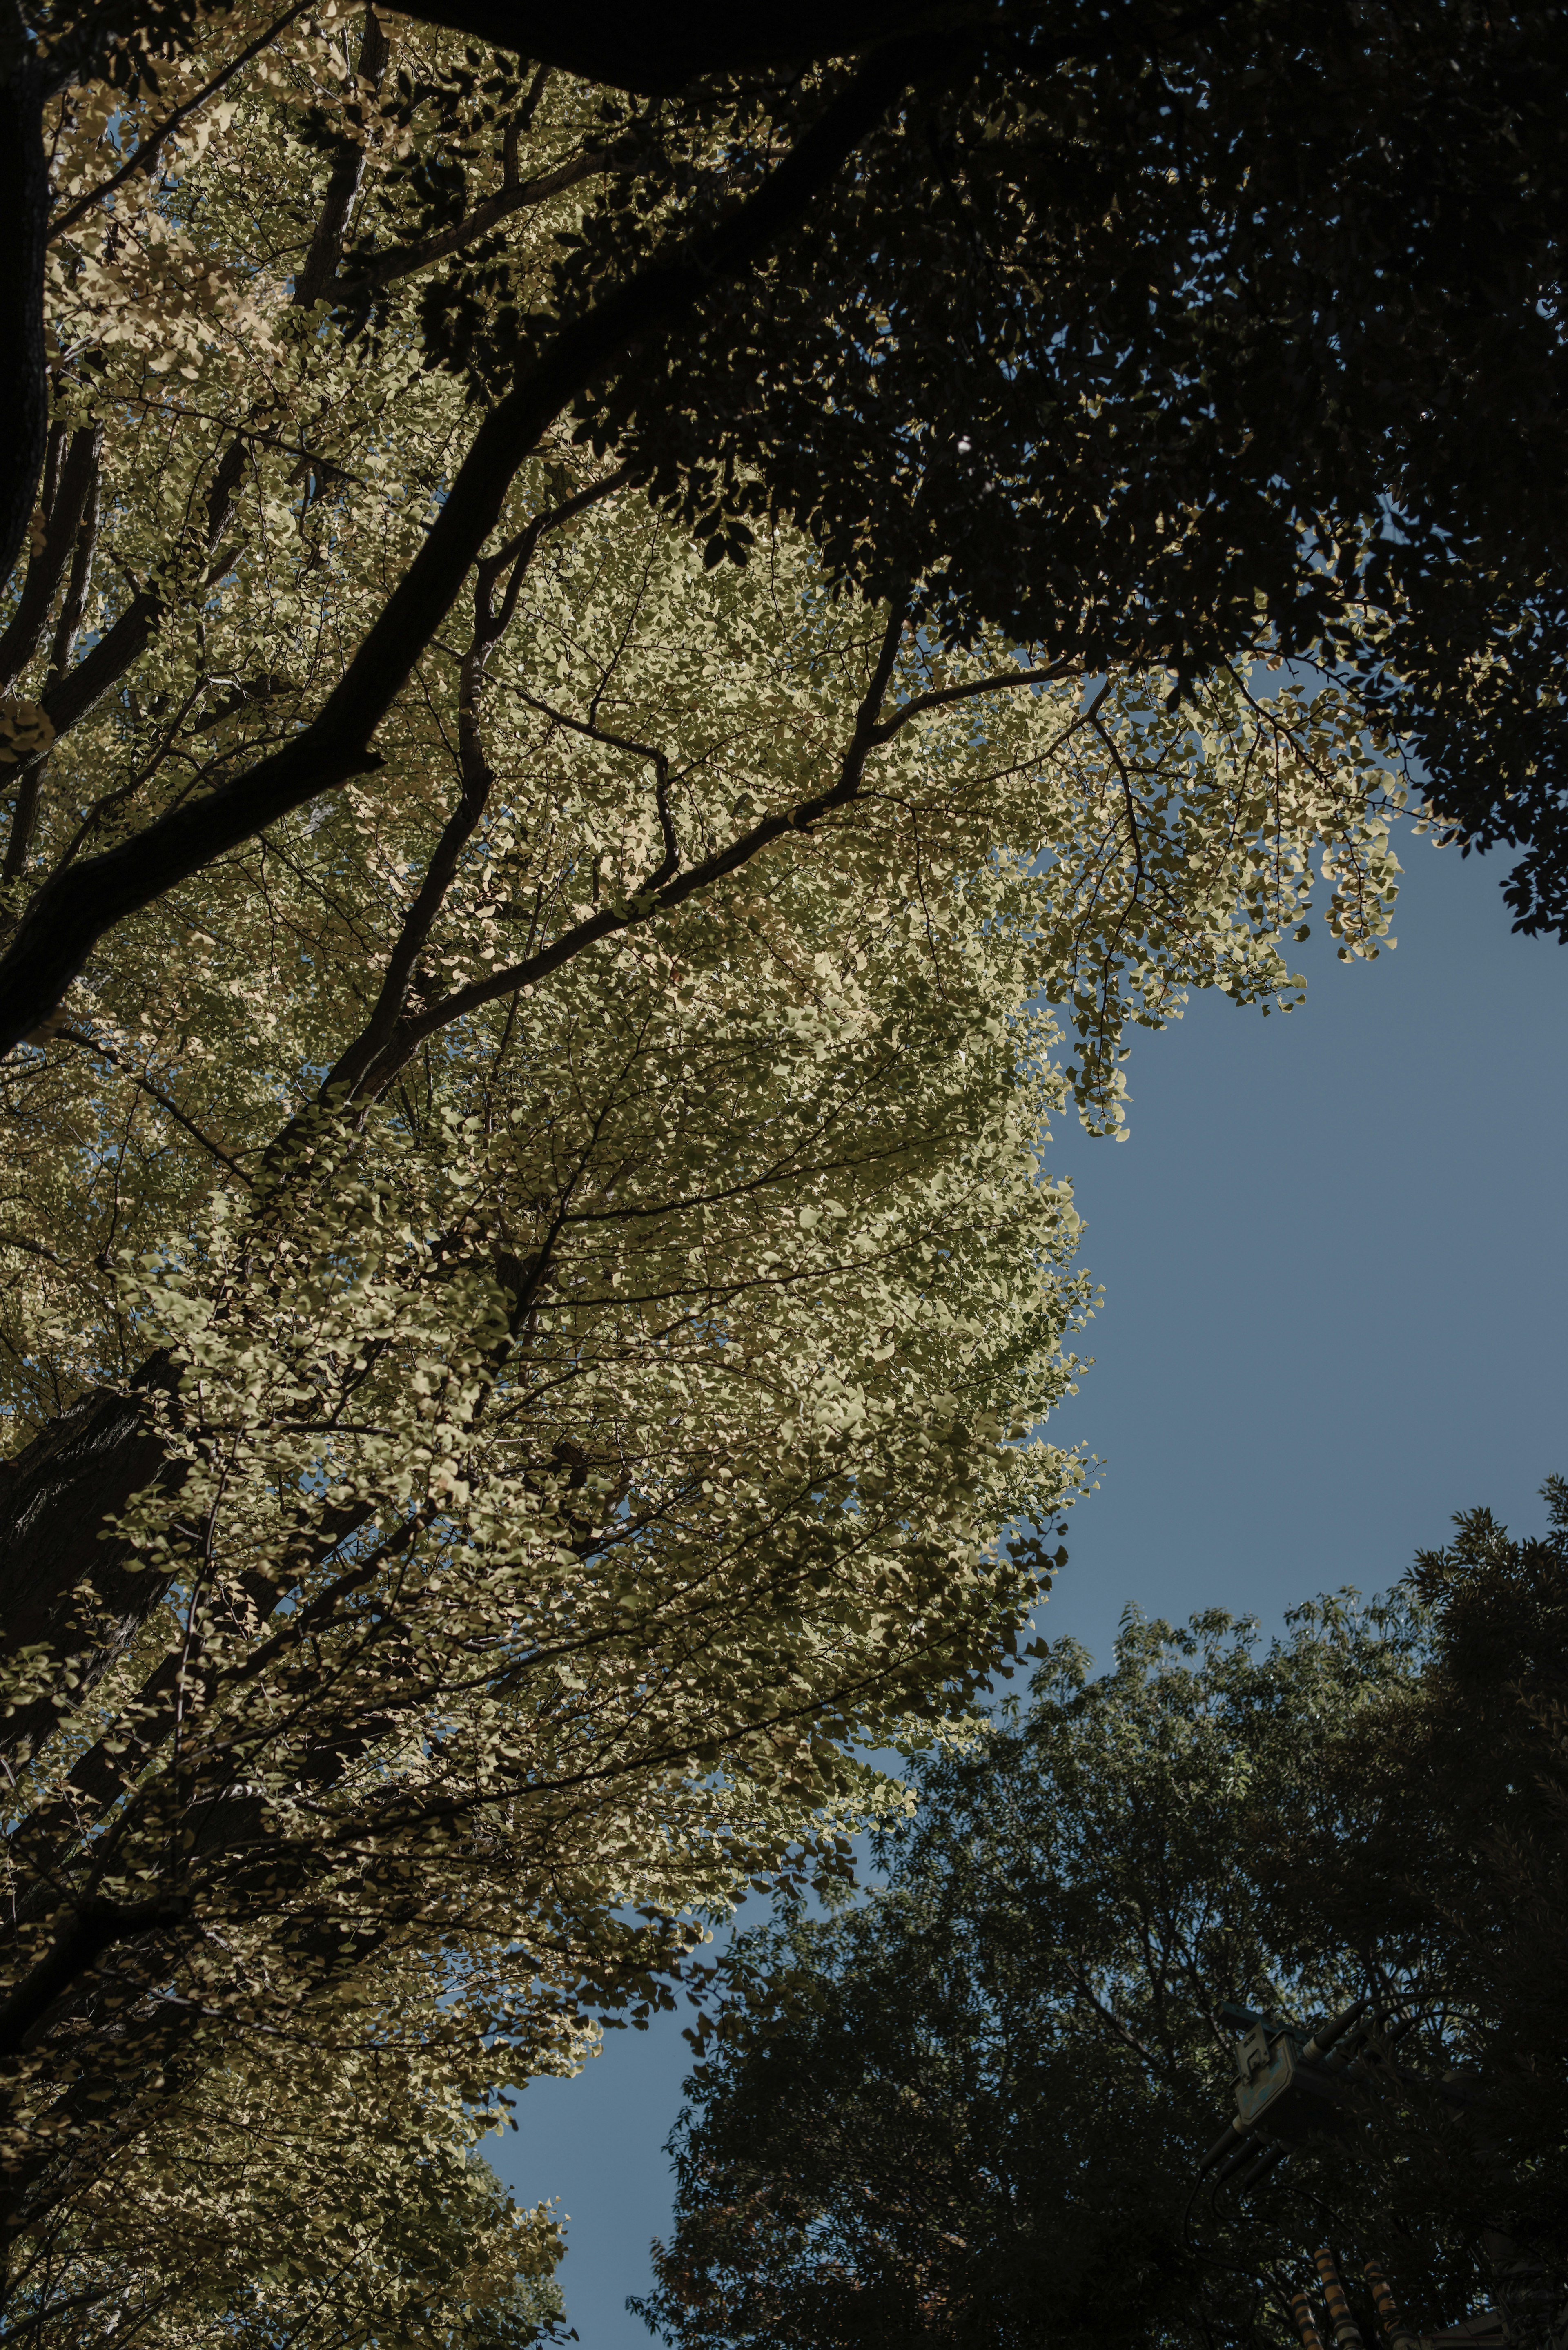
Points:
x=1347, y=2332
x=1400, y=2336
x=1301, y=2310
x=1324, y=2038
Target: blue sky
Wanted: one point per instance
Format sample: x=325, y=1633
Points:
x=1336, y=1312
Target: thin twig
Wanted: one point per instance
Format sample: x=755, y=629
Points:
x=105, y=1053
x=148, y=150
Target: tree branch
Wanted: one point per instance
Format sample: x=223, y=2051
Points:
x=148, y=149
x=1002, y=683
x=669, y=863
x=659, y=899
x=489, y=627
x=343, y=183
x=70, y=698
x=154, y=1093
x=71, y=910
x=25, y=813
x=417, y=921
x=94, y=1928
x=378, y=269
x=25, y=213
x=74, y=608
x=78, y=476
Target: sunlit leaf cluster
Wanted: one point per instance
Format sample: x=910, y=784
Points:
x=567, y=1213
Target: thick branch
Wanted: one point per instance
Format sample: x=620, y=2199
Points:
x=91, y=1931
x=378, y=269
x=44, y=1840
x=104, y=1439
x=78, y=476
x=343, y=185
x=24, y=223
x=74, y=609
x=70, y=698
x=416, y=929
x=54, y=457
x=55, y=1497
x=72, y=910
x=83, y=688
x=25, y=813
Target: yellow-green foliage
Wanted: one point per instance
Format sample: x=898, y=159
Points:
x=602, y=1356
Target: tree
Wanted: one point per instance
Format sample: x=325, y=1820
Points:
x=372, y=2232
x=519, y=1277
x=1460, y=1866
x=1022, y=308
x=974, y=2106
x=520, y=1268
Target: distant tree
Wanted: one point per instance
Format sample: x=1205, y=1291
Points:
x=1455, y=1872
x=972, y=2110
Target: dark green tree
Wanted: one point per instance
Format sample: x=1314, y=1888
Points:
x=974, y=2108
x=1457, y=1869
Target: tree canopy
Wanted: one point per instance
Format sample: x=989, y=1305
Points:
x=973, y=2108
x=1146, y=334
x=531, y=1276
x=528, y=1282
